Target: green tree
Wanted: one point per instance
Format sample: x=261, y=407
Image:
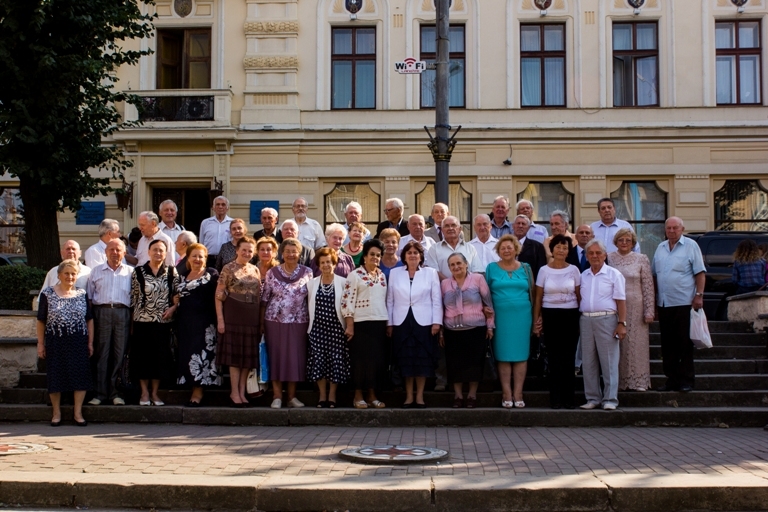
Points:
x=57, y=104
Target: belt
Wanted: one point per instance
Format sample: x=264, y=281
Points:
x=248, y=298
x=599, y=313
x=115, y=305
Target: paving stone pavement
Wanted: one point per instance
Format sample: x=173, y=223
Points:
x=312, y=451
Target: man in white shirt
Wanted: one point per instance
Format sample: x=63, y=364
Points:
x=603, y=324
x=168, y=211
x=148, y=224
x=439, y=213
x=484, y=243
x=416, y=225
x=437, y=256
x=535, y=231
x=354, y=213
x=310, y=231
x=608, y=225
x=69, y=251
x=109, y=229
x=109, y=290
x=214, y=231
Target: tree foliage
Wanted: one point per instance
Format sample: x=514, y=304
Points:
x=57, y=103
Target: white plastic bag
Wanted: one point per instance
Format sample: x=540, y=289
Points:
x=252, y=384
x=699, y=329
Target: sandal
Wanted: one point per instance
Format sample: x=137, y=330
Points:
x=507, y=404
x=377, y=404
x=520, y=404
x=331, y=404
x=360, y=404
x=458, y=403
x=323, y=404
x=471, y=402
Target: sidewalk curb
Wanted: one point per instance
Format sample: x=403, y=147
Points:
x=647, y=492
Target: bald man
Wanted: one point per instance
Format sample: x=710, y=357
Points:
x=69, y=251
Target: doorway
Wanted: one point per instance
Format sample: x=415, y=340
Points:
x=194, y=205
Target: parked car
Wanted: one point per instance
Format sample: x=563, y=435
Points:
x=717, y=248
x=12, y=259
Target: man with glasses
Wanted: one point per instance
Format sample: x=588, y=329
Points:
x=393, y=209
x=310, y=232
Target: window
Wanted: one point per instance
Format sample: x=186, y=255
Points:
x=353, y=68
x=546, y=198
x=635, y=65
x=456, y=66
x=11, y=221
x=741, y=205
x=542, y=65
x=738, y=62
x=184, y=59
x=459, y=204
x=336, y=202
x=644, y=205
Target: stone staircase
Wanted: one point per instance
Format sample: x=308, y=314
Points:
x=731, y=390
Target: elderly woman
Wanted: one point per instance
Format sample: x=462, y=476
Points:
x=237, y=319
x=285, y=320
x=266, y=256
x=749, y=270
x=557, y=305
x=228, y=251
x=634, y=363
x=466, y=328
x=196, y=325
x=153, y=288
x=511, y=284
x=334, y=237
x=415, y=309
x=328, y=357
x=390, y=237
x=65, y=340
x=355, y=246
x=364, y=308
x=290, y=229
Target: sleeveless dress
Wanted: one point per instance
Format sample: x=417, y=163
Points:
x=509, y=291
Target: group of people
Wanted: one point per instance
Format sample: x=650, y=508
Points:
x=346, y=306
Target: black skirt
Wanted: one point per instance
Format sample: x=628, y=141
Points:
x=368, y=354
x=465, y=354
x=151, y=350
x=415, y=349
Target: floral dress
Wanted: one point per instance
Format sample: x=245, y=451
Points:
x=196, y=331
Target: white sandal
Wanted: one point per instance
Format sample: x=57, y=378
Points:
x=507, y=404
x=520, y=404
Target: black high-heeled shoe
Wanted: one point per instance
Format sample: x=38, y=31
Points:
x=83, y=423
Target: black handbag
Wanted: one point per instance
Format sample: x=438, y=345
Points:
x=490, y=372
x=538, y=362
x=123, y=382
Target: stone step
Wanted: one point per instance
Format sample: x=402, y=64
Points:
x=720, y=353
x=721, y=339
x=529, y=417
x=718, y=326
x=715, y=366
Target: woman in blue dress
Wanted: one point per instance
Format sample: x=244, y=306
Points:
x=511, y=282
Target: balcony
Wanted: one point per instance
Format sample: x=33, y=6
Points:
x=182, y=108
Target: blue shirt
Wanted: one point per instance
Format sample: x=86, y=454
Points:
x=499, y=231
x=538, y=233
x=606, y=233
x=675, y=272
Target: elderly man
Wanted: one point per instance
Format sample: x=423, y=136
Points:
x=214, y=231
x=185, y=239
x=109, y=229
x=393, y=209
x=168, y=211
x=439, y=213
x=437, y=256
x=416, y=225
x=500, y=226
x=290, y=229
x=269, y=224
x=605, y=228
x=109, y=290
x=558, y=222
x=678, y=275
x=354, y=213
x=69, y=251
x=531, y=252
x=603, y=324
x=150, y=230
x=535, y=232
x=578, y=256
x=310, y=231
x=484, y=243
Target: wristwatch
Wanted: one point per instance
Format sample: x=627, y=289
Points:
x=699, y=294
x=623, y=323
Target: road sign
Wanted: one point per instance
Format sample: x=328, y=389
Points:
x=410, y=66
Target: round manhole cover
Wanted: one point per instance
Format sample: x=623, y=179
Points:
x=393, y=454
x=15, y=448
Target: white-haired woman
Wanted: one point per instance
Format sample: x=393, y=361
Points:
x=334, y=237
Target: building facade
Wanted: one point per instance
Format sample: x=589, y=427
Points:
x=659, y=104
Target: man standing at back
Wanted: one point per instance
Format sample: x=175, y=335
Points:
x=608, y=225
x=678, y=275
x=214, y=231
x=577, y=256
x=168, y=211
x=439, y=213
x=148, y=224
x=500, y=226
x=416, y=227
x=437, y=256
x=535, y=231
x=310, y=232
x=484, y=243
x=393, y=209
x=354, y=213
x=109, y=229
x=269, y=229
x=69, y=251
x=531, y=252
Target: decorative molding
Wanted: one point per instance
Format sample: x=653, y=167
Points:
x=691, y=176
x=397, y=178
x=270, y=99
x=593, y=177
x=271, y=61
x=397, y=20
x=494, y=178
x=272, y=27
x=308, y=179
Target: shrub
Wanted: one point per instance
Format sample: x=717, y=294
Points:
x=16, y=281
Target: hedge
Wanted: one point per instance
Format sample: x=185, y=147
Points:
x=16, y=281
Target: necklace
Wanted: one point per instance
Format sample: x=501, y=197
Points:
x=326, y=289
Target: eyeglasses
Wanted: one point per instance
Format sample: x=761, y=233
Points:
x=387, y=210
x=300, y=206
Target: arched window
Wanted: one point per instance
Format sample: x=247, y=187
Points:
x=546, y=196
x=644, y=205
x=741, y=205
x=460, y=205
x=336, y=202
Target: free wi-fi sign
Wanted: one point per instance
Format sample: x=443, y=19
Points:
x=410, y=66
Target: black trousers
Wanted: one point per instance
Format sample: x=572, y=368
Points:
x=676, y=345
x=561, y=335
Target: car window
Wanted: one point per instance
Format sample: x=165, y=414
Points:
x=719, y=253
x=18, y=260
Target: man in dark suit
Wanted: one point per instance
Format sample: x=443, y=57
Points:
x=532, y=252
x=576, y=256
x=183, y=241
x=393, y=209
x=439, y=213
x=269, y=223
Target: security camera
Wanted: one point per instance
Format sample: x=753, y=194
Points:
x=508, y=161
